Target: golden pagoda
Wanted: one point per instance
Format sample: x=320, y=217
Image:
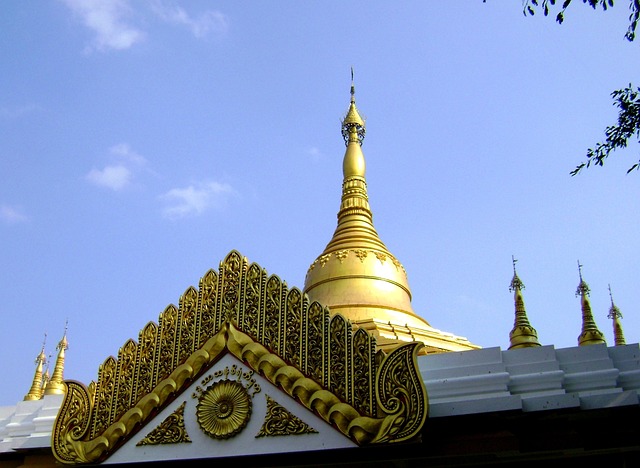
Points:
x=590, y=333
x=616, y=315
x=522, y=335
x=356, y=275
x=35, y=392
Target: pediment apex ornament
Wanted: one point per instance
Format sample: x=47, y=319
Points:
x=297, y=345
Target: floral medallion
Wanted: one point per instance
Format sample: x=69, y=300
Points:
x=224, y=409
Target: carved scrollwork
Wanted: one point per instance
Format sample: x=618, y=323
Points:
x=280, y=422
x=400, y=391
x=74, y=421
x=170, y=431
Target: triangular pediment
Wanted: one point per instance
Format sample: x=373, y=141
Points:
x=229, y=411
x=276, y=336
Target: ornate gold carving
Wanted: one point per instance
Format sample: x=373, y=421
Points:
x=124, y=378
x=167, y=342
x=342, y=254
x=224, y=409
x=381, y=256
x=279, y=421
x=296, y=345
x=361, y=254
x=188, y=323
x=293, y=328
x=324, y=259
x=272, y=307
x=169, y=431
x=145, y=361
x=207, y=301
x=339, y=362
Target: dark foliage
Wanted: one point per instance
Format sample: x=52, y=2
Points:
x=530, y=7
x=627, y=100
x=617, y=136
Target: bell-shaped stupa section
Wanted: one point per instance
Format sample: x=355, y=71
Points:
x=356, y=275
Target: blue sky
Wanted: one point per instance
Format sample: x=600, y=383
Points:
x=141, y=141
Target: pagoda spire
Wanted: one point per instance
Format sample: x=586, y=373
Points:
x=523, y=335
x=356, y=275
x=35, y=392
x=355, y=219
x=55, y=386
x=616, y=315
x=590, y=333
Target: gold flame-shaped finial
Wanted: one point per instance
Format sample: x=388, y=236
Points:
x=353, y=126
x=616, y=315
x=55, y=386
x=35, y=392
x=523, y=335
x=590, y=333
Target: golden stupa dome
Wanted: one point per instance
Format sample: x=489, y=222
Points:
x=356, y=275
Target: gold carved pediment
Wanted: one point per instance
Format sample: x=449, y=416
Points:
x=298, y=346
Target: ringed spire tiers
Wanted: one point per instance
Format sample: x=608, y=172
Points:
x=356, y=275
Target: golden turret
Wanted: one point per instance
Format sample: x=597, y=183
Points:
x=616, y=315
x=356, y=275
x=55, y=386
x=35, y=392
x=523, y=335
x=590, y=333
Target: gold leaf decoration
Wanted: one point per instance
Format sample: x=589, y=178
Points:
x=224, y=409
x=280, y=422
x=169, y=431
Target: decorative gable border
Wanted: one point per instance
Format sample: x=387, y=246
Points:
x=299, y=346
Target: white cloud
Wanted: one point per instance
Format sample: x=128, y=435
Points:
x=113, y=177
x=124, y=151
x=119, y=174
x=108, y=20
x=211, y=21
x=11, y=215
x=194, y=200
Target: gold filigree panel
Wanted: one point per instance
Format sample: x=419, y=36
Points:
x=297, y=345
x=170, y=431
x=280, y=422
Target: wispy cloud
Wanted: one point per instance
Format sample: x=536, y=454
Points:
x=124, y=151
x=119, y=175
x=112, y=177
x=109, y=20
x=12, y=214
x=209, y=22
x=195, y=199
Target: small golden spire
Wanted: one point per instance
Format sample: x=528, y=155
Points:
x=55, y=386
x=590, y=333
x=616, y=315
x=523, y=335
x=45, y=378
x=35, y=392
